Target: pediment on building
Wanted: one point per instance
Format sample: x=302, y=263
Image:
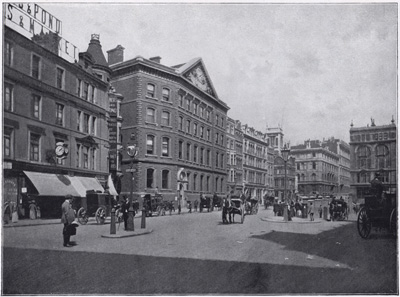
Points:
x=196, y=72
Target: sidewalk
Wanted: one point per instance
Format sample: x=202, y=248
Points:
x=295, y=220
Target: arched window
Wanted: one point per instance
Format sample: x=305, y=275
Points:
x=165, y=94
x=151, y=89
x=382, y=156
x=194, y=182
x=303, y=177
x=180, y=123
x=165, y=179
x=313, y=177
x=165, y=147
x=201, y=182
x=165, y=118
x=363, y=157
x=150, y=145
x=151, y=115
x=150, y=178
x=188, y=126
x=363, y=177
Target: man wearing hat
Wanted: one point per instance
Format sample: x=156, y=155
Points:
x=67, y=217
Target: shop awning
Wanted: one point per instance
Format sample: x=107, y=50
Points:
x=48, y=184
x=83, y=184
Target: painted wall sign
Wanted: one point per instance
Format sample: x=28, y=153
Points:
x=30, y=19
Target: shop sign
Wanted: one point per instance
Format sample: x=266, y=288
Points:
x=10, y=189
x=30, y=19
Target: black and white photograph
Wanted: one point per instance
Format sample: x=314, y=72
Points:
x=199, y=148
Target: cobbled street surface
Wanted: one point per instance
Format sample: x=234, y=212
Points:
x=197, y=254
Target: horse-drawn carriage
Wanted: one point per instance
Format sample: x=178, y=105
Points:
x=251, y=205
x=205, y=202
x=378, y=211
x=216, y=202
x=94, y=204
x=232, y=207
x=155, y=205
x=338, y=210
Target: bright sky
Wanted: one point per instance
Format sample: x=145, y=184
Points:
x=310, y=68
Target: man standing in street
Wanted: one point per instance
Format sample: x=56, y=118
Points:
x=67, y=217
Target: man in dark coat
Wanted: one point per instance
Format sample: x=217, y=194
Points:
x=67, y=217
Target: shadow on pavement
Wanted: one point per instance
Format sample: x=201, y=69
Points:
x=29, y=271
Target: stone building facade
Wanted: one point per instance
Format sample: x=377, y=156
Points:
x=234, y=152
x=373, y=150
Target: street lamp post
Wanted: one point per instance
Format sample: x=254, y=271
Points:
x=132, y=152
x=285, y=155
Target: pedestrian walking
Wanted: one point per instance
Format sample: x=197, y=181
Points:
x=67, y=218
x=125, y=211
x=189, y=203
x=320, y=211
x=311, y=212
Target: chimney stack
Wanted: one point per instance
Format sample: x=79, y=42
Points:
x=116, y=55
x=156, y=59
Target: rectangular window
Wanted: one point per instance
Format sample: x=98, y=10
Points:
x=78, y=120
x=35, y=67
x=8, y=54
x=150, y=144
x=201, y=111
x=188, y=104
x=201, y=132
x=195, y=182
x=78, y=155
x=180, y=123
x=59, y=114
x=208, y=134
x=151, y=115
x=8, y=142
x=78, y=87
x=86, y=123
x=180, y=150
x=165, y=147
x=34, y=147
x=150, y=90
x=208, y=159
x=8, y=97
x=93, y=159
x=85, y=91
x=188, y=126
x=165, y=118
x=180, y=100
x=195, y=154
x=165, y=94
x=93, y=129
x=195, y=108
x=150, y=178
x=195, y=129
x=188, y=151
x=92, y=94
x=60, y=78
x=85, y=157
x=165, y=178
x=36, y=106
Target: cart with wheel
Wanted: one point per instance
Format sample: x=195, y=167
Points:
x=251, y=206
x=237, y=207
x=378, y=213
x=94, y=204
x=339, y=210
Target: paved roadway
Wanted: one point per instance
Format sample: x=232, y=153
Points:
x=197, y=254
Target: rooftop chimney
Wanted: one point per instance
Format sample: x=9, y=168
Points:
x=116, y=55
x=156, y=59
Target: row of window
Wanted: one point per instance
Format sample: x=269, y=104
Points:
x=86, y=91
x=195, y=181
x=86, y=157
x=195, y=130
x=151, y=92
x=151, y=114
x=364, y=157
x=198, y=155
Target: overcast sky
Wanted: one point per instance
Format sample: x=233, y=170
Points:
x=310, y=68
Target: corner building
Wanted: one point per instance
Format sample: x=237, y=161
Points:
x=178, y=124
x=373, y=150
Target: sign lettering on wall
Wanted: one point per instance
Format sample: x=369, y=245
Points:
x=30, y=19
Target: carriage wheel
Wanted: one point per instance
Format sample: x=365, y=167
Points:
x=363, y=223
x=393, y=222
x=82, y=216
x=100, y=215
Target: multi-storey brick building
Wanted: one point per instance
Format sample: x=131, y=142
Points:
x=373, y=150
x=55, y=131
x=321, y=167
x=178, y=124
x=234, y=144
x=257, y=163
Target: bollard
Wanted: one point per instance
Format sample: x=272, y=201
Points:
x=143, y=225
x=112, y=226
x=131, y=213
x=285, y=213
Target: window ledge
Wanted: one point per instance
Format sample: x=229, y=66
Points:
x=152, y=98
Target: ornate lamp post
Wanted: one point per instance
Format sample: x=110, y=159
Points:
x=285, y=156
x=132, y=152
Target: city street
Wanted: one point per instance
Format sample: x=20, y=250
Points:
x=197, y=254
